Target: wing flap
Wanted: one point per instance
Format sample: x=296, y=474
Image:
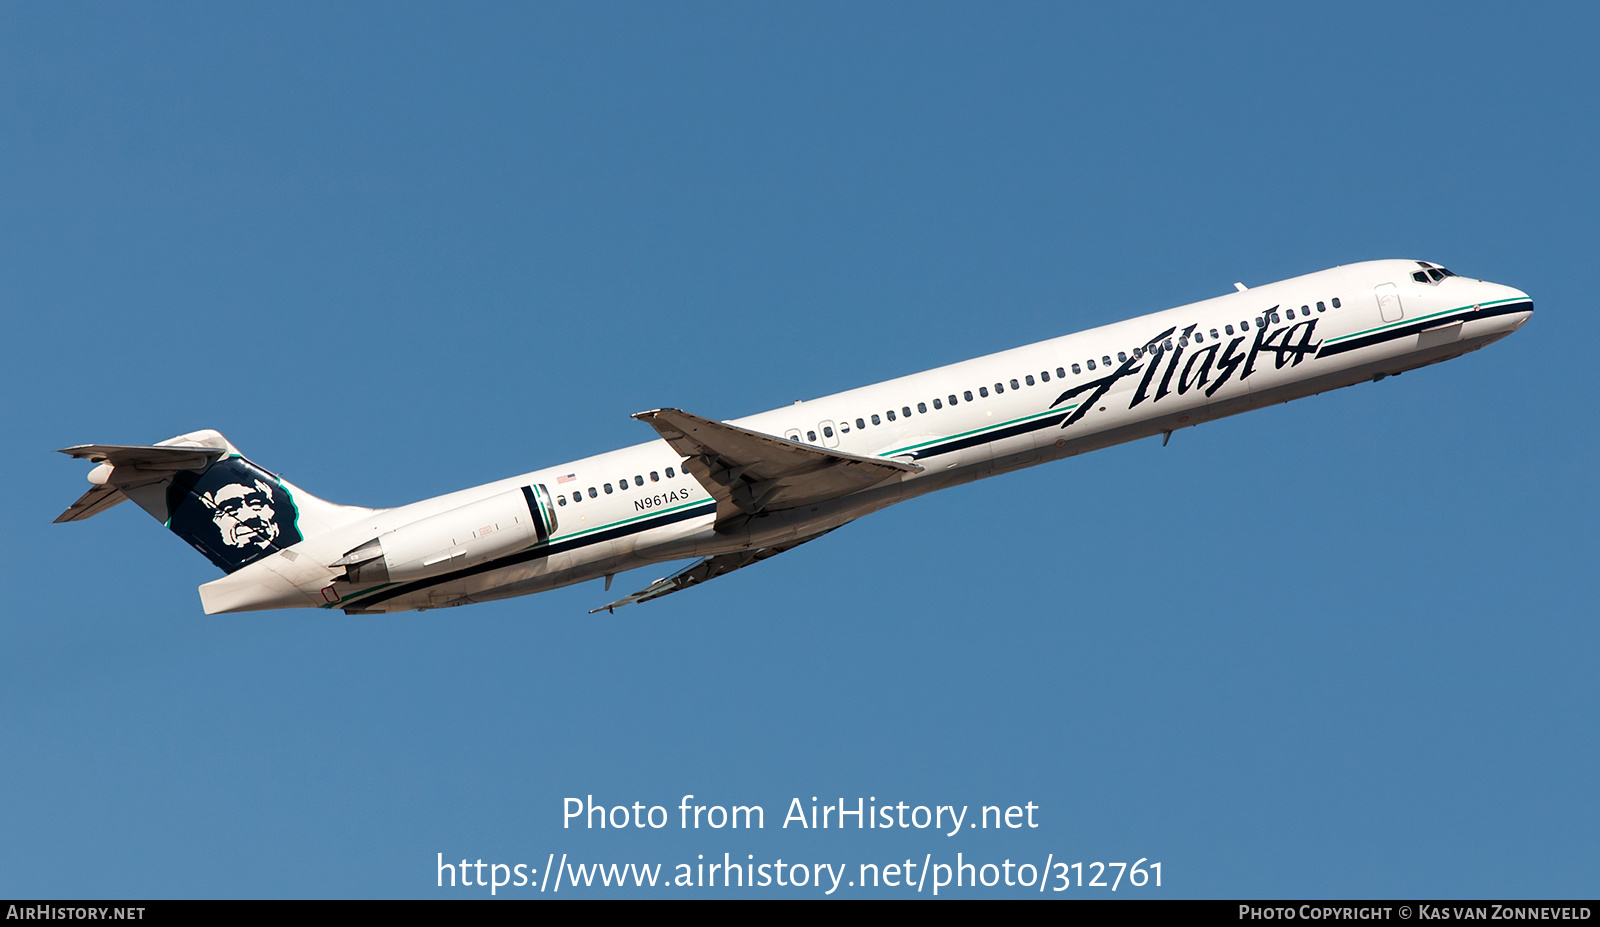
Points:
x=749, y=472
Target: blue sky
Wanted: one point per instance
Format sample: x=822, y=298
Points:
x=1340, y=647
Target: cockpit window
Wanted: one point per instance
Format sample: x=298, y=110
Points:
x=1435, y=273
x=1430, y=270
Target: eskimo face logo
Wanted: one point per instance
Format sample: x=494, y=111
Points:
x=233, y=512
x=243, y=514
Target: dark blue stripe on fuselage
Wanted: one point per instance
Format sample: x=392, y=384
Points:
x=1367, y=341
x=999, y=434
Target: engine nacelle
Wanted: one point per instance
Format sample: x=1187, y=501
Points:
x=462, y=537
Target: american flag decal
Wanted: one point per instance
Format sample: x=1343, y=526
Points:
x=566, y=479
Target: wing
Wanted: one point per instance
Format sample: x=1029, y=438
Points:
x=701, y=570
x=123, y=466
x=749, y=472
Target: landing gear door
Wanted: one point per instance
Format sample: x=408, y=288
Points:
x=1389, y=302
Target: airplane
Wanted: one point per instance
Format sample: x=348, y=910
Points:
x=738, y=492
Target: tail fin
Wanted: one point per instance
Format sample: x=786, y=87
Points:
x=207, y=493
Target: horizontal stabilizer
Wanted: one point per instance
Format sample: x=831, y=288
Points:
x=137, y=457
x=92, y=503
x=749, y=472
x=701, y=570
x=125, y=466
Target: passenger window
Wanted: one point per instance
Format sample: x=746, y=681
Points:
x=577, y=496
x=905, y=411
x=983, y=391
x=827, y=431
x=608, y=489
x=561, y=500
x=1228, y=329
x=1014, y=385
x=1320, y=308
x=1106, y=360
x=952, y=399
x=1215, y=336
x=669, y=473
x=592, y=492
x=862, y=426
x=1199, y=337
x=1290, y=313
x=999, y=388
x=623, y=484
x=1044, y=375
x=876, y=420
x=1062, y=373
x=811, y=436
x=1336, y=302
x=655, y=477
x=1244, y=326
x=967, y=395
x=1090, y=363
x=1122, y=357
x=844, y=428
x=922, y=407
x=937, y=404
x=638, y=480
x=1076, y=369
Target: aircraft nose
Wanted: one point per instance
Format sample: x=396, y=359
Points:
x=1524, y=300
x=1511, y=297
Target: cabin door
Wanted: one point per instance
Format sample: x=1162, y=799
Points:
x=1389, y=302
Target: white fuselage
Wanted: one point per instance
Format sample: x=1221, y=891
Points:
x=962, y=422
